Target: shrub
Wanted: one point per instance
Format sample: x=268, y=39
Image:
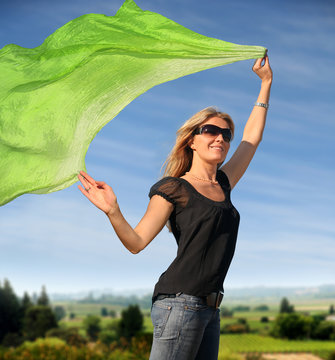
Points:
x=59, y=312
x=235, y=329
x=72, y=315
x=112, y=313
x=319, y=317
x=38, y=320
x=254, y=357
x=141, y=344
x=292, y=326
x=241, y=308
x=264, y=319
x=92, y=326
x=108, y=336
x=131, y=322
x=12, y=339
x=70, y=335
x=325, y=330
x=38, y=343
x=104, y=312
x=242, y=321
x=225, y=312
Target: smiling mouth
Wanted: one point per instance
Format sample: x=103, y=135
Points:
x=217, y=148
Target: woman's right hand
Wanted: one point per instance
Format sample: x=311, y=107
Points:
x=263, y=71
x=98, y=192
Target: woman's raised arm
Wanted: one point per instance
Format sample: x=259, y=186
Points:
x=253, y=130
x=135, y=240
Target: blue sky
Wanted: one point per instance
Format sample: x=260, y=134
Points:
x=286, y=198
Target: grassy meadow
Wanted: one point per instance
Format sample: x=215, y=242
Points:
x=232, y=346
x=256, y=341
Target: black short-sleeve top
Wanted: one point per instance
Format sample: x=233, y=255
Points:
x=206, y=233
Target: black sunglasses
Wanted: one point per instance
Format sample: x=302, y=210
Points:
x=213, y=130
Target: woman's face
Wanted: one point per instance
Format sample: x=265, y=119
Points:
x=211, y=148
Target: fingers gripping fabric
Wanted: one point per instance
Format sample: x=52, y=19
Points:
x=56, y=97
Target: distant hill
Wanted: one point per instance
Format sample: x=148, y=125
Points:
x=250, y=294
x=316, y=292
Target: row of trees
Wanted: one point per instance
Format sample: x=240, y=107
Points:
x=144, y=301
x=26, y=318
x=284, y=308
x=293, y=325
x=128, y=326
x=290, y=324
x=29, y=319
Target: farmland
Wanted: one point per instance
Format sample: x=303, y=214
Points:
x=246, y=333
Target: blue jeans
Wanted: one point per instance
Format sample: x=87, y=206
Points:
x=184, y=329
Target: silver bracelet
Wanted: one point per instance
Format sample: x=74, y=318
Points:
x=266, y=106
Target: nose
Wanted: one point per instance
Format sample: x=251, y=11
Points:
x=219, y=138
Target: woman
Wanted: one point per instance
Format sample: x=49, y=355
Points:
x=194, y=197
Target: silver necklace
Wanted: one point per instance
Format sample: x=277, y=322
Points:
x=215, y=182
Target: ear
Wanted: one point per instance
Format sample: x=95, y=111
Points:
x=191, y=144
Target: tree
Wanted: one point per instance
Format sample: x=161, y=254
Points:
x=34, y=298
x=112, y=313
x=92, y=326
x=59, y=312
x=325, y=330
x=293, y=326
x=104, y=312
x=331, y=310
x=285, y=307
x=26, y=302
x=38, y=320
x=131, y=321
x=9, y=310
x=70, y=335
x=43, y=299
x=241, y=308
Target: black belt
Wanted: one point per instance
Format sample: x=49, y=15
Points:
x=213, y=299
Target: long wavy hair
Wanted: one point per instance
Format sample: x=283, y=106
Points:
x=180, y=158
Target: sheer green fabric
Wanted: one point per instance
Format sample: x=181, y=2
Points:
x=56, y=97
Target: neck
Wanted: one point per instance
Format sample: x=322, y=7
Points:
x=204, y=171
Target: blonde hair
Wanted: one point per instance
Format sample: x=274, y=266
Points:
x=180, y=158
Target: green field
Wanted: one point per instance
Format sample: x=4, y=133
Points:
x=248, y=343
x=256, y=341
x=232, y=347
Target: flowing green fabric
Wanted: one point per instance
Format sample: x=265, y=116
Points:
x=56, y=97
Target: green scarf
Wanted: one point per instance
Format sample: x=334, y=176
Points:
x=56, y=97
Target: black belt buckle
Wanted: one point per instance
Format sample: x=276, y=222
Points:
x=214, y=299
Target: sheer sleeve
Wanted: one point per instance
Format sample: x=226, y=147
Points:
x=172, y=190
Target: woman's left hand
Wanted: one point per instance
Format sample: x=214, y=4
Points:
x=263, y=71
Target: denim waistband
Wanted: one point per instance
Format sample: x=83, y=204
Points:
x=181, y=297
x=213, y=299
